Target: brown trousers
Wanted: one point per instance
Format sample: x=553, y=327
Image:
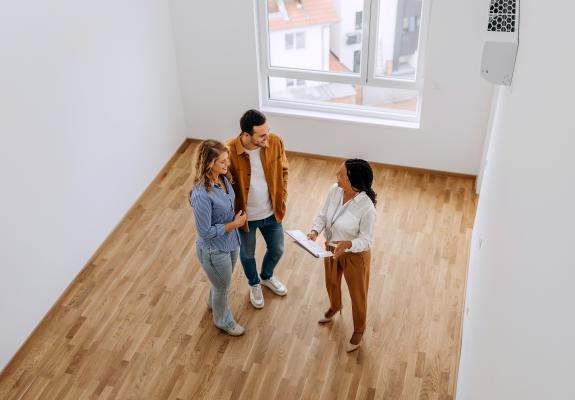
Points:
x=355, y=269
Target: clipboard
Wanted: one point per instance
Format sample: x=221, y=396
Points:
x=309, y=245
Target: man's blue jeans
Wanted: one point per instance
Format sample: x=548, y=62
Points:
x=273, y=234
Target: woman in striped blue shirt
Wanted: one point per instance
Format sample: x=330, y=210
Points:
x=212, y=199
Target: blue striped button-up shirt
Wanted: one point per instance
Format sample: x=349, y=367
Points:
x=213, y=210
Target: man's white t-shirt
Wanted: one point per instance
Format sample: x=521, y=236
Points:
x=259, y=202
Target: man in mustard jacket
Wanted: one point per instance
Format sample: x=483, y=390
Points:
x=259, y=168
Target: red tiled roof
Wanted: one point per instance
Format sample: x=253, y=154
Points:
x=335, y=65
x=313, y=12
x=273, y=6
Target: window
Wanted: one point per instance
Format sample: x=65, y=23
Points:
x=358, y=58
x=289, y=41
x=295, y=82
x=410, y=24
x=358, y=18
x=298, y=37
x=300, y=40
x=353, y=38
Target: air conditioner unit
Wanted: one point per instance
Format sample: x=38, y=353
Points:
x=501, y=42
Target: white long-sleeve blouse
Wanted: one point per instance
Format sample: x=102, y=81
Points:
x=354, y=220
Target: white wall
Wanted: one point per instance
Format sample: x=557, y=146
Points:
x=216, y=52
x=518, y=334
x=90, y=110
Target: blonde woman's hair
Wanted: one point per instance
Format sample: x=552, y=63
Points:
x=208, y=150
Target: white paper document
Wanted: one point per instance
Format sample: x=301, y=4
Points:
x=315, y=249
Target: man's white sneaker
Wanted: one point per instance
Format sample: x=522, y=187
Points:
x=256, y=296
x=275, y=286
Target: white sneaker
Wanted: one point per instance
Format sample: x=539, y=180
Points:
x=275, y=286
x=256, y=296
x=236, y=330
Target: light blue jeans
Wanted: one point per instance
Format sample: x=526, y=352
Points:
x=219, y=266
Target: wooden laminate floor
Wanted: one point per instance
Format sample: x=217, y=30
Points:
x=134, y=325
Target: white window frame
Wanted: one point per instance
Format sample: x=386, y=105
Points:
x=365, y=77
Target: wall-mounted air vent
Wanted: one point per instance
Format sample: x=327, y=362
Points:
x=502, y=16
x=501, y=42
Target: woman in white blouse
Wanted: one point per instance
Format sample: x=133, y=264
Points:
x=347, y=219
